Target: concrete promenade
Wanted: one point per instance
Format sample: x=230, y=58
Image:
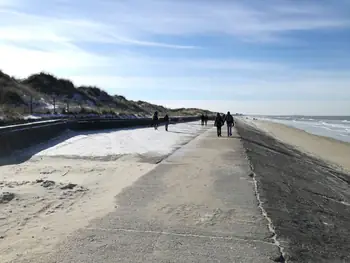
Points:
x=198, y=205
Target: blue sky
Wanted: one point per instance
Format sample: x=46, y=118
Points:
x=257, y=57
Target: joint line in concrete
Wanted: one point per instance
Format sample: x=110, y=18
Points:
x=178, y=234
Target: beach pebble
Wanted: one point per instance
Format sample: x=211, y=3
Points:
x=68, y=186
x=48, y=183
x=6, y=197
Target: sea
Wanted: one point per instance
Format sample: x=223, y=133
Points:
x=337, y=127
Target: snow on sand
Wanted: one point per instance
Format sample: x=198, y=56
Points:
x=62, y=188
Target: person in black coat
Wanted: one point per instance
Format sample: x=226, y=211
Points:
x=166, y=120
x=218, y=123
x=229, y=121
x=206, y=118
x=155, y=120
x=202, y=119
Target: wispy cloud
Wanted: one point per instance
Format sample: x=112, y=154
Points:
x=138, y=21
x=27, y=27
x=183, y=49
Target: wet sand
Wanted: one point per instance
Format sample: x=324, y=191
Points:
x=307, y=199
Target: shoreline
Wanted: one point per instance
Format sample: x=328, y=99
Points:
x=329, y=128
x=334, y=152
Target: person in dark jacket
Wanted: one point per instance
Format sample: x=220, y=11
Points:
x=218, y=123
x=202, y=119
x=206, y=118
x=229, y=123
x=166, y=120
x=155, y=120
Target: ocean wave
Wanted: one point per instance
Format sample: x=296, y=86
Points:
x=307, y=119
x=330, y=128
x=333, y=125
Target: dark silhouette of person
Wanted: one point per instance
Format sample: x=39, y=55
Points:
x=229, y=121
x=166, y=120
x=218, y=123
x=155, y=120
x=202, y=119
x=206, y=118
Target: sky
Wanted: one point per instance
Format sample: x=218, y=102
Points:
x=253, y=57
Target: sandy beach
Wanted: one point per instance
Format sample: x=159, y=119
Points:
x=334, y=152
x=73, y=180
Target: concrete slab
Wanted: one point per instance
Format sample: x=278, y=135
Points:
x=198, y=205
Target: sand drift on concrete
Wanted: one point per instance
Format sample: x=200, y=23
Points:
x=49, y=196
x=123, y=142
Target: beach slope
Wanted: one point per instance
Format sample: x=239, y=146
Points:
x=307, y=199
x=332, y=151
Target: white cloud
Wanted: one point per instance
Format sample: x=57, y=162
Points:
x=21, y=62
x=122, y=40
x=26, y=27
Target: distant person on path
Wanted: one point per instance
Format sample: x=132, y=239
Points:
x=166, y=120
x=218, y=123
x=229, y=122
x=202, y=119
x=155, y=120
x=206, y=118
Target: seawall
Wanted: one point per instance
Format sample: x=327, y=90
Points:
x=18, y=137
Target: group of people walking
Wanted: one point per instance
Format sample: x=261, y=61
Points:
x=220, y=121
x=155, y=121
